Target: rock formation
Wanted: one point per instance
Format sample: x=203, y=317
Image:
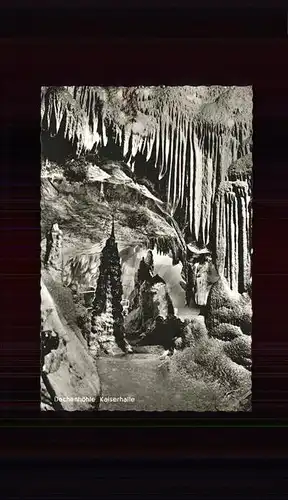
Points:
x=229, y=318
x=107, y=332
x=187, y=136
x=199, y=273
x=233, y=223
x=53, y=257
x=152, y=320
x=69, y=378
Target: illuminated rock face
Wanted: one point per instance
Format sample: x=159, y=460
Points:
x=69, y=377
x=53, y=258
x=233, y=221
x=188, y=137
x=203, y=275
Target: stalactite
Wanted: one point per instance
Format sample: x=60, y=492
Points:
x=180, y=167
x=170, y=165
x=233, y=242
x=197, y=184
x=126, y=141
x=217, y=225
x=139, y=145
x=167, y=144
x=165, y=154
x=184, y=174
x=222, y=245
x=157, y=139
x=143, y=146
x=162, y=163
x=191, y=171
x=176, y=165
x=207, y=199
x=135, y=144
x=150, y=145
x=226, y=240
x=104, y=134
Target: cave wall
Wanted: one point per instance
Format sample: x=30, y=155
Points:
x=189, y=136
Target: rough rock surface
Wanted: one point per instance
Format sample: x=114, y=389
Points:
x=233, y=218
x=194, y=331
x=151, y=319
x=69, y=372
x=151, y=301
x=199, y=273
x=226, y=363
x=239, y=351
x=53, y=257
x=229, y=318
x=226, y=306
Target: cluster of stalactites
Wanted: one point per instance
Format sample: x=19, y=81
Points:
x=233, y=233
x=165, y=245
x=191, y=158
x=79, y=117
x=190, y=155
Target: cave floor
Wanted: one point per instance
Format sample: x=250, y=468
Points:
x=147, y=378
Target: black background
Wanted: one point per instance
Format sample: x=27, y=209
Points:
x=172, y=47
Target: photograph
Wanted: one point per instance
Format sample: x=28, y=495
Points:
x=146, y=248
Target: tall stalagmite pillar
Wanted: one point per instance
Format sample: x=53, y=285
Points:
x=107, y=331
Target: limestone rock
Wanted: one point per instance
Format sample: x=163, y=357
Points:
x=53, y=257
x=226, y=310
x=233, y=218
x=239, y=351
x=194, y=331
x=153, y=316
x=70, y=375
x=200, y=275
x=226, y=331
